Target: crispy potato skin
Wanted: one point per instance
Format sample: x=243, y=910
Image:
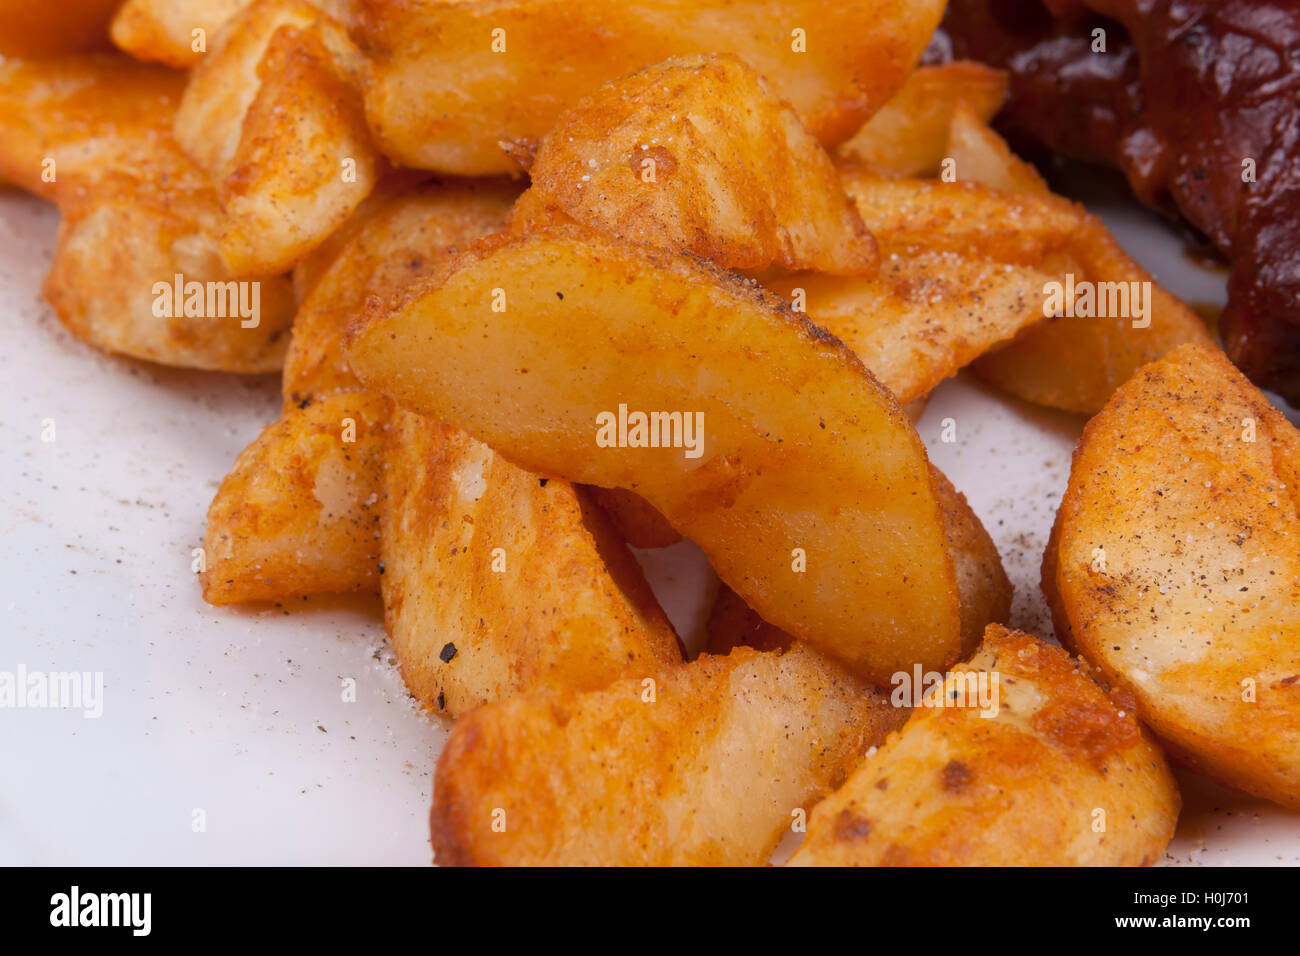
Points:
x=299, y=512
x=984, y=157
x=909, y=135
x=525, y=583
x=272, y=114
x=707, y=771
x=1194, y=599
x=35, y=30
x=135, y=211
x=924, y=316
x=440, y=98
x=798, y=408
x=634, y=518
x=985, y=592
x=1021, y=788
x=699, y=154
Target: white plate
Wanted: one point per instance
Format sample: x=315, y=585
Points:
x=240, y=714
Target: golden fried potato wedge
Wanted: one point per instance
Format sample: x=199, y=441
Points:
x=1177, y=566
x=634, y=518
x=498, y=582
x=299, y=513
x=984, y=590
x=909, y=135
x=136, y=268
x=33, y=30
x=453, y=81
x=1075, y=362
x=789, y=465
x=704, y=765
x=923, y=317
x=284, y=186
x=699, y=154
x=1019, y=760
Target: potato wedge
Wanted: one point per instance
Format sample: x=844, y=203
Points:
x=859, y=567
x=35, y=30
x=704, y=765
x=299, y=513
x=1057, y=774
x=983, y=587
x=699, y=154
x=923, y=317
x=1073, y=362
x=284, y=186
x=909, y=135
x=497, y=582
x=452, y=81
x=1177, y=566
x=93, y=135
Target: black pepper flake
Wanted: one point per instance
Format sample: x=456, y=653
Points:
x=447, y=653
x=543, y=481
x=381, y=567
x=442, y=701
x=560, y=296
x=305, y=402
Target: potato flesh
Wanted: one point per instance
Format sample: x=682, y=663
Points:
x=497, y=582
x=801, y=447
x=706, y=765
x=1020, y=788
x=441, y=98
x=699, y=154
x=1193, y=600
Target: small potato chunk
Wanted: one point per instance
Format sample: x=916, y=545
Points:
x=497, y=582
x=705, y=765
x=909, y=136
x=273, y=115
x=807, y=487
x=165, y=30
x=1176, y=566
x=699, y=154
x=453, y=82
x=1019, y=759
x=299, y=512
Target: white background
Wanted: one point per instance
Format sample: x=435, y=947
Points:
x=239, y=713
